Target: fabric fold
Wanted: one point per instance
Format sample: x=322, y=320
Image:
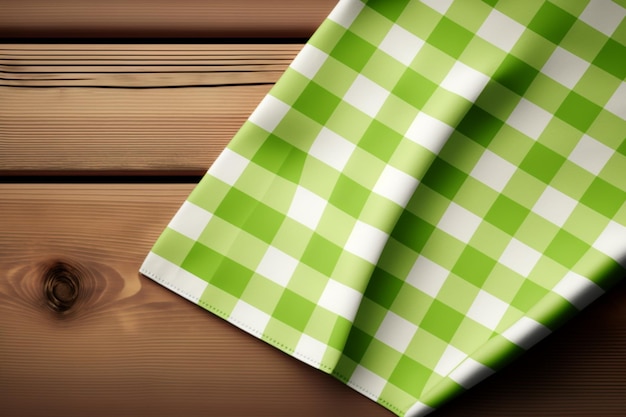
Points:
x=430, y=189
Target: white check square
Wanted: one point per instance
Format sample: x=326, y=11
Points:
x=366, y=95
x=565, y=67
x=493, y=171
x=332, y=149
x=307, y=207
x=277, y=266
x=427, y=276
x=459, y=222
x=500, y=30
x=429, y=132
x=554, y=206
x=465, y=81
x=529, y=119
x=396, y=331
x=519, y=257
x=603, y=15
x=395, y=185
x=487, y=310
x=401, y=44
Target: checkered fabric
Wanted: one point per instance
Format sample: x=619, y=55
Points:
x=431, y=188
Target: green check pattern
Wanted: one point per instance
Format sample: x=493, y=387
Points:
x=431, y=188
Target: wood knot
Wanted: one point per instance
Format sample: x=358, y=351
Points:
x=61, y=284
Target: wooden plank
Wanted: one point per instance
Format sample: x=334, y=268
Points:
x=129, y=347
x=128, y=109
x=145, y=19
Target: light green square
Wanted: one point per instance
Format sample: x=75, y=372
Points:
x=380, y=359
x=497, y=100
x=281, y=335
x=585, y=223
x=374, y=206
x=364, y=168
x=584, y=41
x=320, y=325
x=307, y=282
x=469, y=13
x=397, y=114
x=597, y=85
x=620, y=216
x=248, y=140
x=371, y=26
x=510, y=317
x=247, y=250
x=520, y=11
x=394, y=395
x=432, y=63
x=297, y=129
x=446, y=106
x=327, y=35
x=319, y=177
x=348, y=122
x=546, y=93
x=289, y=87
x=335, y=225
x=173, y=246
x=218, y=227
x=511, y=144
x=255, y=180
x=552, y=311
x=411, y=304
x=330, y=359
x=620, y=33
x=292, y=237
x=608, y=128
x=503, y=283
x=490, y=240
x=599, y=268
x=217, y=301
x=397, y=259
x=457, y=293
x=476, y=51
x=383, y=70
x=262, y=293
x=547, y=272
x=443, y=249
x=461, y=152
x=470, y=336
x=524, y=189
x=572, y=180
x=533, y=49
x=209, y=201
x=428, y=205
x=350, y=270
x=426, y=348
x=279, y=194
x=412, y=158
x=369, y=316
x=335, y=76
x=418, y=19
x=559, y=136
x=536, y=232
x=475, y=196
x=614, y=171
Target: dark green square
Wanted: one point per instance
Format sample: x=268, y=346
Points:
x=410, y=376
x=353, y=51
x=264, y=222
x=578, y=111
x=528, y=295
x=273, y=153
x=492, y=3
x=236, y=207
x=479, y=126
x=450, y=37
x=293, y=310
x=349, y=196
x=231, y=277
x=603, y=197
x=622, y=148
x=390, y=9
x=380, y=140
x=515, y=74
x=383, y=288
x=202, y=261
x=414, y=88
x=473, y=266
x=441, y=321
x=506, y=214
x=612, y=59
x=337, y=337
x=321, y=254
x=444, y=178
x=412, y=231
x=316, y=102
x=292, y=166
x=566, y=248
x=357, y=344
x=552, y=22
x=542, y=162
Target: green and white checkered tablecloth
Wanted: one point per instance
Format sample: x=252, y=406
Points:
x=430, y=189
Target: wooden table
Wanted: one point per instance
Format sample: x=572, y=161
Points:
x=103, y=133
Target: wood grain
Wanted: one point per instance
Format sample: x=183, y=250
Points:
x=129, y=347
x=128, y=109
x=147, y=19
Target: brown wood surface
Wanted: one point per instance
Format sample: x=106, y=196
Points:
x=128, y=109
x=82, y=333
x=142, y=19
